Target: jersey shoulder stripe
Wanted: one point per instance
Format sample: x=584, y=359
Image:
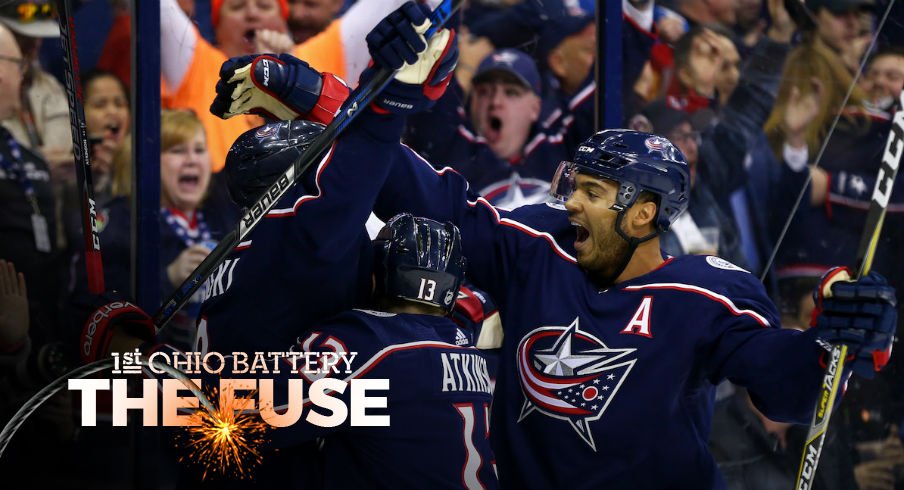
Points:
x=290, y=211
x=724, y=300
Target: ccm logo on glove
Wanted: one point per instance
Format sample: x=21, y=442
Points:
x=266, y=64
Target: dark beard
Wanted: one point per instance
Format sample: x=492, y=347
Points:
x=616, y=254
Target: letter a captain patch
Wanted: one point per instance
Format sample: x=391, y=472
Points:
x=640, y=322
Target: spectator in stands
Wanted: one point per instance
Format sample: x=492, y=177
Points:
x=42, y=121
x=307, y=18
x=566, y=48
x=190, y=65
x=27, y=219
x=843, y=26
x=749, y=26
x=708, y=13
x=499, y=146
x=752, y=27
x=884, y=78
x=339, y=49
x=505, y=102
x=107, y=121
x=187, y=231
x=812, y=69
x=236, y=22
x=561, y=36
x=706, y=70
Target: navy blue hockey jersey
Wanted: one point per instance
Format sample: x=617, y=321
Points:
x=610, y=388
x=438, y=401
x=309, y=259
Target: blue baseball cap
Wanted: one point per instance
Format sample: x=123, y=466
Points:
x=512, y=62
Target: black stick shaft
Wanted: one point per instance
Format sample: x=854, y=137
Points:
x=93, y=262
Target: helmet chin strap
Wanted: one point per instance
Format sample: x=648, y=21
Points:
x=633, y=242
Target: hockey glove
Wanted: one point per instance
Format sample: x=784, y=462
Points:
x=861, y=314
x=278, y=87
x=111, y=313
x=425, y=68
x=477, y=315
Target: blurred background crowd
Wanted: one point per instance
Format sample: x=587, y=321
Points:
x=771, y=101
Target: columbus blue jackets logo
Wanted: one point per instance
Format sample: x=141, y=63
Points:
x=570, y=375
x=266, y=131
x=656, y=143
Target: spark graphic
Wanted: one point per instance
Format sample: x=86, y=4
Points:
x=225, y=442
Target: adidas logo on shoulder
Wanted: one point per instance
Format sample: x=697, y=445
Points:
x=460, y=337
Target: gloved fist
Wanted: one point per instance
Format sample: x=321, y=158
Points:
x=110, y=313
x=860, y=314
x=425, y=67
x=279, y=87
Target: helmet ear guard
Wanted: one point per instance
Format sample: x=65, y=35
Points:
x=418, y=259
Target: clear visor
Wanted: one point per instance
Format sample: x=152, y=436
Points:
x=563, y=182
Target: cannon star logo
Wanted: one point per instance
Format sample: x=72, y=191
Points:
x=570, y=375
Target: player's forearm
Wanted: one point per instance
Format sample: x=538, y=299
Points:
x=414, y=186
x=786, y=387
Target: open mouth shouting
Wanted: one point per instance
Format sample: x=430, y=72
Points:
x=248, y=39
x=582, y=237
x=493, y=128
x=113, y=130
x=189, y=181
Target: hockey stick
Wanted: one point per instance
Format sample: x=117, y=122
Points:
x=869, y=240
x=93, y=263
x=38, y=399
x=360, y=98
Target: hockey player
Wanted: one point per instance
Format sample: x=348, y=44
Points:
x=438, y=389
x=607, y=337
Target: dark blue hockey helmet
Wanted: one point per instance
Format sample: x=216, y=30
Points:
x=637, y=162
x=420, y=260
x=259, y=156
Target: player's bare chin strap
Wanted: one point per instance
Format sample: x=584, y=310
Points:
x=633, y=242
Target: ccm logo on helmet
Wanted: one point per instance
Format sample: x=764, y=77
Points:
x=99, y=316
